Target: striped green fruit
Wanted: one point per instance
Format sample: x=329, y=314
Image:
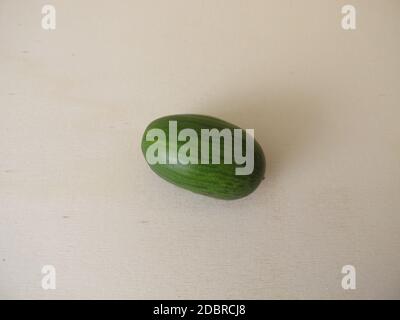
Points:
x=214, y=180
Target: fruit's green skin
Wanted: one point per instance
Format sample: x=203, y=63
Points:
x=214, y=180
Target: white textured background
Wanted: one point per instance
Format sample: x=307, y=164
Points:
x=75, y=191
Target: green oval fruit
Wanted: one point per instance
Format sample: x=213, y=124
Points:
x=195, y=170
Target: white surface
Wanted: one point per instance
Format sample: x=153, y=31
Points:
x=76, y=193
